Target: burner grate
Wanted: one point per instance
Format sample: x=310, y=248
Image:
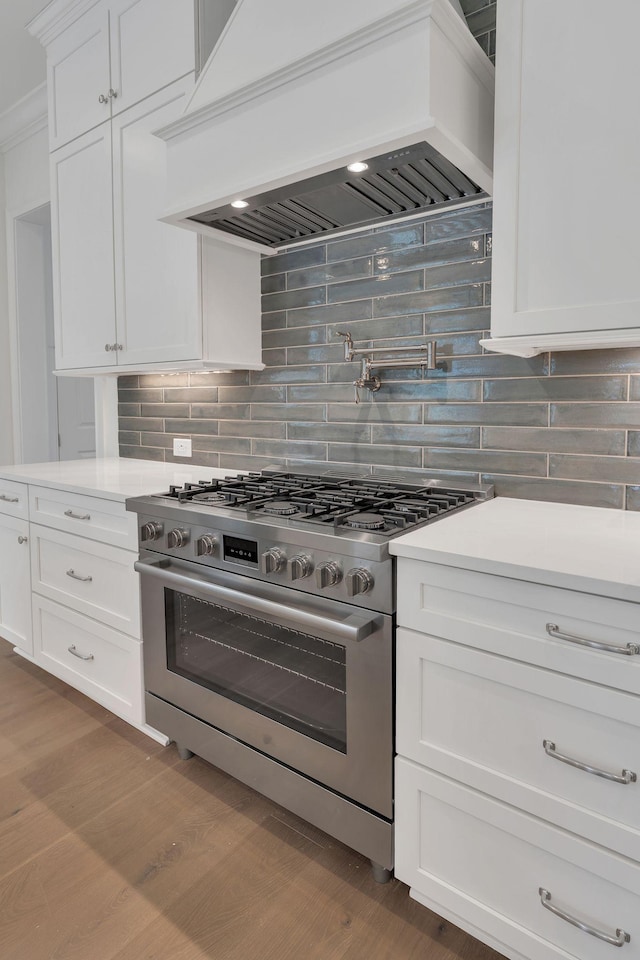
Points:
x=329, y=501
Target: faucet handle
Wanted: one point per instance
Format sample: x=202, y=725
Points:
x=348, y=344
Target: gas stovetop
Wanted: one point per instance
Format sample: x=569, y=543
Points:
x=317, y=534
x=342, y=504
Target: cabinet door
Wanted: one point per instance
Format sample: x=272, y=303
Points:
x=78, y=76
x=15, y=583
x=82, y=246
x=566, y=150
x=158, y=316
x=152, y=44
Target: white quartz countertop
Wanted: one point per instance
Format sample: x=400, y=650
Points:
x=593, y=549
x=113, y=478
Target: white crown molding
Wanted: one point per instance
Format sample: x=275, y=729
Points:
x=412, y=13
x=24, y=118
x=56, y=17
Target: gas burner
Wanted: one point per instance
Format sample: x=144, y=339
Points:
x=212, y=496
x=365, y=521
x=376, y=508
x=280, y=508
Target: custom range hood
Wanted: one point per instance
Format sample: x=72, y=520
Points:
x=294, y=92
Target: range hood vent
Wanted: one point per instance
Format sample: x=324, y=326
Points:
x=290, y=96
x=396, y=185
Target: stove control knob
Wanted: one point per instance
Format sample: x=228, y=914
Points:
x=358, y=580
x=300, y=567
x=328, y=574
x=273, y=560
x=177, y=537
x=206, y=546
x=151, y=531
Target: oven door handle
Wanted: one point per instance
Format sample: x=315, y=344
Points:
x=352, y=628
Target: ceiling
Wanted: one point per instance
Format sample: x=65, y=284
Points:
x=22, y=58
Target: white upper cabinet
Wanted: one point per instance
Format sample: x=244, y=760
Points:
x=82, y=248
x=79, y=77
x=567, y=153
x=112, y=57
x=156, y=276
x=133, y=294
x=153, y=43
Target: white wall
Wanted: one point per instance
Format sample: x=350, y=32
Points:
x=27, y=173
x=6, y=421
x=24, y=160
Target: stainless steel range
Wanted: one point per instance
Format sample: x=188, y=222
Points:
x=268, y=625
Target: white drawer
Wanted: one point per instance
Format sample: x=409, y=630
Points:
x=509, y=617
x=102, y=663
x=482, y=719
x=93, y=578
x=468, y=856
x=14, y=498
x=104, y=520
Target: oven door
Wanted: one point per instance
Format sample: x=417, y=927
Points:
x=305, y=680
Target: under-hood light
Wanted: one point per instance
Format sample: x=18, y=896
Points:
x=358, y=167
x=239, y=204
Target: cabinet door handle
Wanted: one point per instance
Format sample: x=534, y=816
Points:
x=7, y=499
x=76, y=576
x=113, y=94
x=618, y=940
x=629, y=650
x=103, y=99
x=80, y=656
x=627, y=776
x=22, y=539
x=77, y=516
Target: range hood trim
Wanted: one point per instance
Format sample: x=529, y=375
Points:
x=196, y=129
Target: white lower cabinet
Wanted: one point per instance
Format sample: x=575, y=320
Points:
x=93, y=578
x=518, y=761
x=69, y=593
x=483, y=863
x=15, y=583
x=103, y=663
x=86, y=597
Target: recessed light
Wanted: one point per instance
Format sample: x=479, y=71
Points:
x=358, y=167
x=239, y=204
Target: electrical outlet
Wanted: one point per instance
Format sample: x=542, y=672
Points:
x=181, y=447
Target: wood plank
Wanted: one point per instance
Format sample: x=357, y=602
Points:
x=111, y=848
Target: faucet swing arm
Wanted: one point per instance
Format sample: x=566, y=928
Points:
x=425, y=358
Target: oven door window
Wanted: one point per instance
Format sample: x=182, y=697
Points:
x=292, y=677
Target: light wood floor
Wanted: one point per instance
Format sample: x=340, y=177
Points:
x=111, y=848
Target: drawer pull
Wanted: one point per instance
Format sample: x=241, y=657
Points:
x=629, y=650
x=627, y=776
x=77, y=516
x=76, y=576
x=618, y=940
x=80, y=656
x=7, y=499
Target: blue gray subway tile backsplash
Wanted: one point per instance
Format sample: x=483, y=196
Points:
x=562, y=427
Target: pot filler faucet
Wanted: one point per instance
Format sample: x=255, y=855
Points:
x=425, y=357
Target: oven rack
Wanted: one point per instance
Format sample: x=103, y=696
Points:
x=267, y=662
